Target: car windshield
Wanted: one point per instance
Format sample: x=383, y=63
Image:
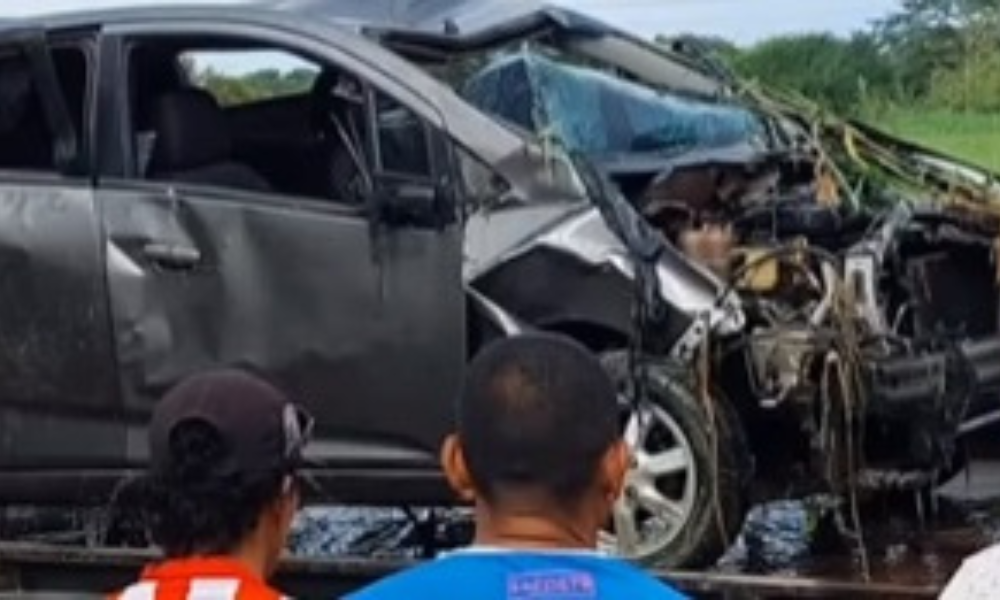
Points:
x=595, y=113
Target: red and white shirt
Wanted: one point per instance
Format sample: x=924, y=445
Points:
x=198, y=579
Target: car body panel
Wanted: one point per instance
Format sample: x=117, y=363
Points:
x=318, y=298
x=455, y=19
x=332, y=295
x=302, y=293
x=553, y=264
x=56, y=359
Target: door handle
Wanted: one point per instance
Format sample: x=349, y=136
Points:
x=172, y=256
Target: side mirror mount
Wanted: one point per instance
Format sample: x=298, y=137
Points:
x=409, y=203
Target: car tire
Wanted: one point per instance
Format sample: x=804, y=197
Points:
x=685, y=495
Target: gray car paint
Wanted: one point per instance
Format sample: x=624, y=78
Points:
x=55, y=345
x=298, y=292
x=181, y=278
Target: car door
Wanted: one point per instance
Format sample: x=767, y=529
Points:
x=361, y=319
x=58, y=387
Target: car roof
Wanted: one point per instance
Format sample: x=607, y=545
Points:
x=427, y=16
x=451, y=20
x=145, y=13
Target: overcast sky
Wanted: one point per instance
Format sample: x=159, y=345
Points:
x=743, y=21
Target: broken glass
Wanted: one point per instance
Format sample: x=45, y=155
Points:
x=600, y=115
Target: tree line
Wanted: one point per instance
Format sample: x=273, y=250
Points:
x=935, y=54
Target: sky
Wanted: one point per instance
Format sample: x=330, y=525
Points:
x=742, y=21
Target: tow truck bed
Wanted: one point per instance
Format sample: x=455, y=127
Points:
x=47, y=572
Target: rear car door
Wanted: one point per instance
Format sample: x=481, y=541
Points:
x=362, y=319
x=57, y=382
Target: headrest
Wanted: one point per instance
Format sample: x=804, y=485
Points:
x=334, y=92
x=192, y=132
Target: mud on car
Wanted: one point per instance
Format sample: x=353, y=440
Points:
x=787, y=302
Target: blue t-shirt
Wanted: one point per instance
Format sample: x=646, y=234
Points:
x=485, y=574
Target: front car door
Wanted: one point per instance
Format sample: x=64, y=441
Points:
x=58, y=389
x=361, y=319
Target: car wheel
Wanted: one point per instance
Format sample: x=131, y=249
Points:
x=684, y=497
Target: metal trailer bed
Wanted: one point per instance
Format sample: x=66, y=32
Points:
x=40, y=572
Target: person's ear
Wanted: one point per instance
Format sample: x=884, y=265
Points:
x=287, y=504
x=455, y=468
x=614, y=467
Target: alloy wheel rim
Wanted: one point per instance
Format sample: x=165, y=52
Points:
x=660, y=488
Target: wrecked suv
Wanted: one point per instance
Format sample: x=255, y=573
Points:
x=773, y=294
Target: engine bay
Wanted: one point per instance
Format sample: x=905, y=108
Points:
x=883, y=321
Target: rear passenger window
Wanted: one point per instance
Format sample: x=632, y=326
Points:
x=27, y=139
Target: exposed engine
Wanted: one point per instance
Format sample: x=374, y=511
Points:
x=872, y=333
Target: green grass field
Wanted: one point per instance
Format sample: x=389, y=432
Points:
x=974, y=137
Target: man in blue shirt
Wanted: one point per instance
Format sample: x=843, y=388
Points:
x=539, y=452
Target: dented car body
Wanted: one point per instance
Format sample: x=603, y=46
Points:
x=786, y=301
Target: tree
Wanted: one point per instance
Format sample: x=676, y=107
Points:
x=834, y=72
x=929, y=37
x=233, y=90
x=974, y=84
x=943, y=53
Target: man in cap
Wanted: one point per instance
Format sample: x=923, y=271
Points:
x=539, y=452
x=222, y=489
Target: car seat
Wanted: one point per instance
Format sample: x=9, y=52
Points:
x=194, y=144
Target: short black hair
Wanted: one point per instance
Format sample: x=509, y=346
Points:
x=189, y=510
x=536, y=412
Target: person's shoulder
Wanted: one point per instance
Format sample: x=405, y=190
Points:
x=429, y=577
x=492, y=574
x=978, y=577
x=632, y=582
x=241, y=589
x=989, y=555
x=607, y=577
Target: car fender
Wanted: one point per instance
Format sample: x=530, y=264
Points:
x=573, y=272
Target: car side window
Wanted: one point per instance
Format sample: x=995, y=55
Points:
x=262, y=119
x=27, y=139
x=242, y=77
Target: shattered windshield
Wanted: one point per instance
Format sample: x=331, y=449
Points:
x=599, y=115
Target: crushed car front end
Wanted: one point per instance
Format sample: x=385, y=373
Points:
x=798, y=288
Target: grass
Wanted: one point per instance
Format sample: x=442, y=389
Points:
x=972, y=136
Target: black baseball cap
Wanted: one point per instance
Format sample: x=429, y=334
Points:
x=261, y=428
